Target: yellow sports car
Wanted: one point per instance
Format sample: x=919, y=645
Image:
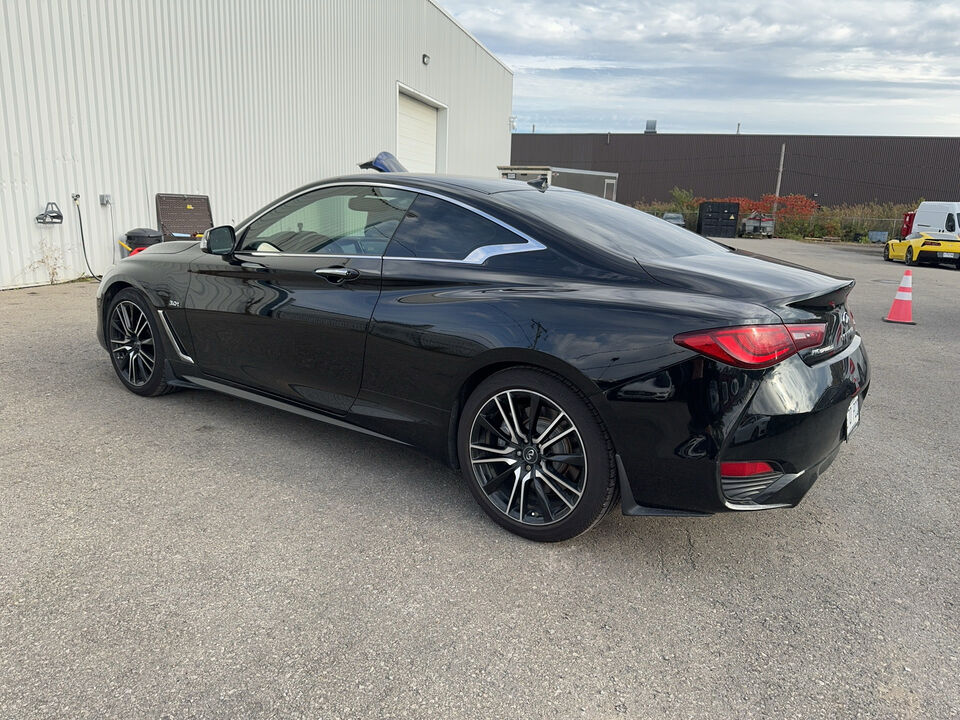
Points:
x=925, y=247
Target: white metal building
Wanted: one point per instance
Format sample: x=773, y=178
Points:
x=239, y=100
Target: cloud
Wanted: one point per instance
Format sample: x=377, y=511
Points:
x=818, y=67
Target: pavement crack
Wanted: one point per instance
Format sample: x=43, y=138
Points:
x=690, y=557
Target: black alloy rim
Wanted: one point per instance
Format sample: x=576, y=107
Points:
x=131, y=343
x=528, y=457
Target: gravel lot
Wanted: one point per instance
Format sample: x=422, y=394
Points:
x=199, y=556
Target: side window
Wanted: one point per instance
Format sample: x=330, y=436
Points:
x=951, y=224
x=350, y=220
x=437, y=229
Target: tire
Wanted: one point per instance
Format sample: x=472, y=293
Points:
x=886, y=253
x=550, y=490
x=908, y=258
x=132, y=328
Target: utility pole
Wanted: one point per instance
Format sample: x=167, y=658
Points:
x=776, y=194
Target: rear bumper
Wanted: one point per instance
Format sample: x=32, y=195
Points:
x=673, y=442
x=938, y=256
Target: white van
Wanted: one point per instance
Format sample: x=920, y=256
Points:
x=937, y=217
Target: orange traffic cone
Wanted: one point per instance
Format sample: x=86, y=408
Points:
x=902, y=309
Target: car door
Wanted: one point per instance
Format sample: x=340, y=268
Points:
x=436, y=313
x=288, y=312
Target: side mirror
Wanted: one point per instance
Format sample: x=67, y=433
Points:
x=219, y=240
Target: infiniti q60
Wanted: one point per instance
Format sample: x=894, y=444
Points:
x=566, y=353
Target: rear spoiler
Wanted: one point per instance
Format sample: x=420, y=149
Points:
x=827, y=300
x=384, y=162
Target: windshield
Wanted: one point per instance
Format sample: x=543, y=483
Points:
x=610, y=226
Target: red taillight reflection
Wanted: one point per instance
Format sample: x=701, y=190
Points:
x=753, y=346
x=745, y=469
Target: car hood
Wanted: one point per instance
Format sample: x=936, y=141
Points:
x=747, y=276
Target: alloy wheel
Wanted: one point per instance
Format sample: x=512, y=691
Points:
x=528, y=457
x=132, y=343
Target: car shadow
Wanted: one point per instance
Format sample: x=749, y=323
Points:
x=413, y=494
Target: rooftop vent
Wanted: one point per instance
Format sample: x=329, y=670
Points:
x=651, y=128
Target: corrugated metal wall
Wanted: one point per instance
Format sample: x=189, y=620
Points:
x=241, y=100
x=839, y=169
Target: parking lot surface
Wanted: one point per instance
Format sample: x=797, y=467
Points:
x=200, y=556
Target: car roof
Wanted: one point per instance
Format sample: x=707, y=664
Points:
x=486, y=186
x=473, y=190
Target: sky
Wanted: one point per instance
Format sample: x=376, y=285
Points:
x=847, y=67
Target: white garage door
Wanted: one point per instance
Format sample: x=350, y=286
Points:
x=417, y=135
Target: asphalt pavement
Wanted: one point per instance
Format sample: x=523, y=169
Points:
x=198, y=556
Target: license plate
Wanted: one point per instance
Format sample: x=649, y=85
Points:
x=948, y=255
x=853, y=416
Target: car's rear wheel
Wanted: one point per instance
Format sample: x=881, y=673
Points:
x=535, y=455
x=133, y=338
x=886, y=253
x=908, y=258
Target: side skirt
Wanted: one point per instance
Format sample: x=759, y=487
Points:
x=285, y=406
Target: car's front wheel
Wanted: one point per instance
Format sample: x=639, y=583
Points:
x=536, y=456
x=886, y=253
x=133, y=338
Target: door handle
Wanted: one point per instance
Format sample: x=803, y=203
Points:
x=246, y=265
x=338, y=274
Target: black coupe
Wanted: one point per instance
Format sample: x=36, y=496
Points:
x=564, y=352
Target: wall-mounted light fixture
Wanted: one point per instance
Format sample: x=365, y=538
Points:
x=426, y=59
x=51, y=215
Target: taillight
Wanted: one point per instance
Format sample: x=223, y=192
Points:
x=745, y=469
x=807, y=336
x=930, y=243
x=753, y=346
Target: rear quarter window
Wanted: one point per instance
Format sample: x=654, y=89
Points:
x=436, y=229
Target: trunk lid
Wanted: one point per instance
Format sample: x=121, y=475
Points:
x=795, y=293
x=745, y=276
